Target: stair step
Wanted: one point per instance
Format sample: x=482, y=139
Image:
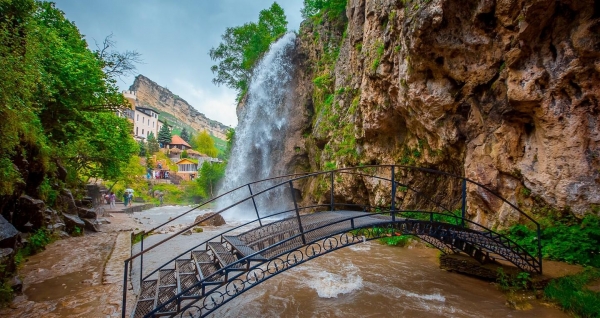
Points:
x=243, y=249
x=224, y=256
x=206, y=267
x=166, y=277
x=186, y=278
x=145, y=303
x=164, y=294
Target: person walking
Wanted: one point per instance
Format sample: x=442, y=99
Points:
x=125, y=199
x=112, y=198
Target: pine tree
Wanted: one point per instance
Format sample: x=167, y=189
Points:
x=152, y=144
x=164, y=136
x=185, y=135
x=143, y=148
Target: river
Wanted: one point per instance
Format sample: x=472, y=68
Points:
x=365, y=280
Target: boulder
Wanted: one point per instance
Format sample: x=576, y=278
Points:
x=17, y=285
x=56, y=227
x=72, y=221
x=87, y=213
x=7, y=259
x=66, y=203
x=91, y=225
x=216, y=220
x=29, y=210
x=88, y=202
x=9, y=236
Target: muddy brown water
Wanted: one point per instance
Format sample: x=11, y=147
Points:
x=365, y=280
x=70, y=279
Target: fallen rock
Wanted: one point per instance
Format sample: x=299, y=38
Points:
x=9, y=236
x=102, y=221
x=87, y=213
x=17, y=285
x=7, y=259
x=214, y=220
x=29, y=210
x=56, y=227
x=72, y=221
x=63, y=235
x=91, y=225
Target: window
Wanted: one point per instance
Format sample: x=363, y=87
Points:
x=136, y=130
x=143, y=120
x=138, y=117
x=142, y=132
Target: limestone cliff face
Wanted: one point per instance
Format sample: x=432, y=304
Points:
x=151, y=94
x=504, y=92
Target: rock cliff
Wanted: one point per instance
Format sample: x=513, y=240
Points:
x=504, y=92
x=152, y=95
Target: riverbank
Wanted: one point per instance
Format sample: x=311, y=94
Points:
x=77, y=276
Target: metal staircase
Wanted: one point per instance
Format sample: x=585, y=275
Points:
x=204, y=278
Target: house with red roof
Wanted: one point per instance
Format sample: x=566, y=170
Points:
x=179, y=143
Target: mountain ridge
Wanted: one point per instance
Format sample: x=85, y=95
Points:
x=150, y=94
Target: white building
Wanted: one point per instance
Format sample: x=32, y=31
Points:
x=145, y=121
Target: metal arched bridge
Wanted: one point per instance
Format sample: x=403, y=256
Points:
x=285, y=230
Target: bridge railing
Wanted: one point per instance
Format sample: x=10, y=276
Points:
x=413, y=189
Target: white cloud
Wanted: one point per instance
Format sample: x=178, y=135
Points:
x=217, y=103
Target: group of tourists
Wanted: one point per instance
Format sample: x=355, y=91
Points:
x=127, y=199
x=111, y=198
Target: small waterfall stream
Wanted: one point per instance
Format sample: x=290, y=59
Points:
x=260, y=135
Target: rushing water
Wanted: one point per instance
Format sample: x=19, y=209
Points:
x=364, y=280
x=263, y=121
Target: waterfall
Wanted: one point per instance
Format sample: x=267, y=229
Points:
x=260, y=134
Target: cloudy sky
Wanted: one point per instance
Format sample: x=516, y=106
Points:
x=174, y=37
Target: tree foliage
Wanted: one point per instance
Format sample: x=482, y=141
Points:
x=152, y=143
x=56, y=101
x=164, y=135
x=185, y=135
x=314, y=8
x=209, y=177
x=205, y=144
x=244, y=45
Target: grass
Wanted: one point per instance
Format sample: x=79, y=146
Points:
x=571, y=294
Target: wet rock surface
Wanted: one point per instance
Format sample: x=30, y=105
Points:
x=503, y=92
x=216, y=220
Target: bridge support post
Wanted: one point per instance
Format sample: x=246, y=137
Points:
x=254, y=202
x=124, y=306
x=141, y=258
x=464, y=201
x=393, y=206
x=297, y=213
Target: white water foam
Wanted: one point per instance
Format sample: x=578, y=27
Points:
x=330, y=285
x=260, y=135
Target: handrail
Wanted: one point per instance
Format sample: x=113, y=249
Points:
x=251, y=256
x=290, y=178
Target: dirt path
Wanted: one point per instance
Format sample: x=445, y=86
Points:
x=78, y=276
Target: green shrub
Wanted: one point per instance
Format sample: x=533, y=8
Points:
x=569, y=292
x=400, y=240
x=566, y=240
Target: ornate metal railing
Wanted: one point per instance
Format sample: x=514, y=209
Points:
x=428, y=199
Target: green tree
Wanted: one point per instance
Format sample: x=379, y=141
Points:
x=184, y=154
x=152, y=144
x=185, y=135
x=164, y=136
x=316, y=7
x=205, y=144
x=209, y=177
x=244, y=45
x=56, y=102
x=143, y=148
x=230, y=136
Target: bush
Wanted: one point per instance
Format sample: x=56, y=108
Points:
x=569, y=292
x=565, y=240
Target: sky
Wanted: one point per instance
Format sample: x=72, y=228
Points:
x=174, y=38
